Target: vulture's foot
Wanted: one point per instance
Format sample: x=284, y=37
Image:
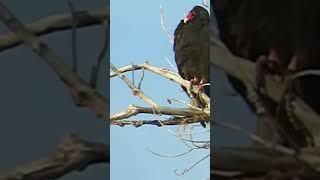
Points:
x=267, y=64
x=193, y=81
x=195, y=100
x=200, y=84
x=294, y=66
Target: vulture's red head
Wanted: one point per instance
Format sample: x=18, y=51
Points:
x=196, y=12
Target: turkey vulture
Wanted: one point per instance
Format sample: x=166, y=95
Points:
x=281, y=36
x=191, y=47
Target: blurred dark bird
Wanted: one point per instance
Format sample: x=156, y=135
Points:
x=283, y=34
x=191, y=47
x=282, y=37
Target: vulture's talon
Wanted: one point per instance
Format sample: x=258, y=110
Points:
x=260, y=72
x=191, y=81
x=201, y=85
x=270, y=64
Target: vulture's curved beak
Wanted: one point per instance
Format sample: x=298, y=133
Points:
x=185, y=20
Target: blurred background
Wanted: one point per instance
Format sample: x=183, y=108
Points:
x=36, y=107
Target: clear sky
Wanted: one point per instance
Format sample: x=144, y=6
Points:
x=136, y=37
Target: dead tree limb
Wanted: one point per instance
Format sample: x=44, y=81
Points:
x=56, y=23
x=83, y=93
x=251, y=162
x=165, y=73
x=173, y=121
x=192, y=114
x=74, y=154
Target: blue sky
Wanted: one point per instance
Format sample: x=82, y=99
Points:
x=136, y=37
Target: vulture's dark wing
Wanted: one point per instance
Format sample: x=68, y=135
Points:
x=290, y=28
x=251, y=28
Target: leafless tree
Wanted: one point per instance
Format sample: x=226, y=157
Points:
x=75, y=154
x=163, y=115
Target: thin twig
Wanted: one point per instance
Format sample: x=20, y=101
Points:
x=172, y=156
x=308, y=72
x=133, y=77
x=256, y=138
x=102, y=55
x=134, y=89
x=183, y=102
x=141, y=79
x=191, y=167
x=205, y=3
x=74, y=37
x=169, y=62
x=164, y=27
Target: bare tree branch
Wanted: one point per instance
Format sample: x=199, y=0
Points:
x=74, y=37
x=56, y=23
x=102, y=54
x=134, y=110
x=172, y=76
x=262, y=161
x=85, y=95
x=136, y=91
x=255, y=138
x=74, y=154
x=178, y=116
x=173, y=121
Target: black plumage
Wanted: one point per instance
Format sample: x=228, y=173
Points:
x=285, y=33
x=191, y=47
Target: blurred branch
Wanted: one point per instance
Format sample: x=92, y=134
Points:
x=277, y=157
x=74, y=37
x=256, y=138
x=261, y=161
x=102, y=55
x=56, y=23
x=80, y=90
x=74, y=154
